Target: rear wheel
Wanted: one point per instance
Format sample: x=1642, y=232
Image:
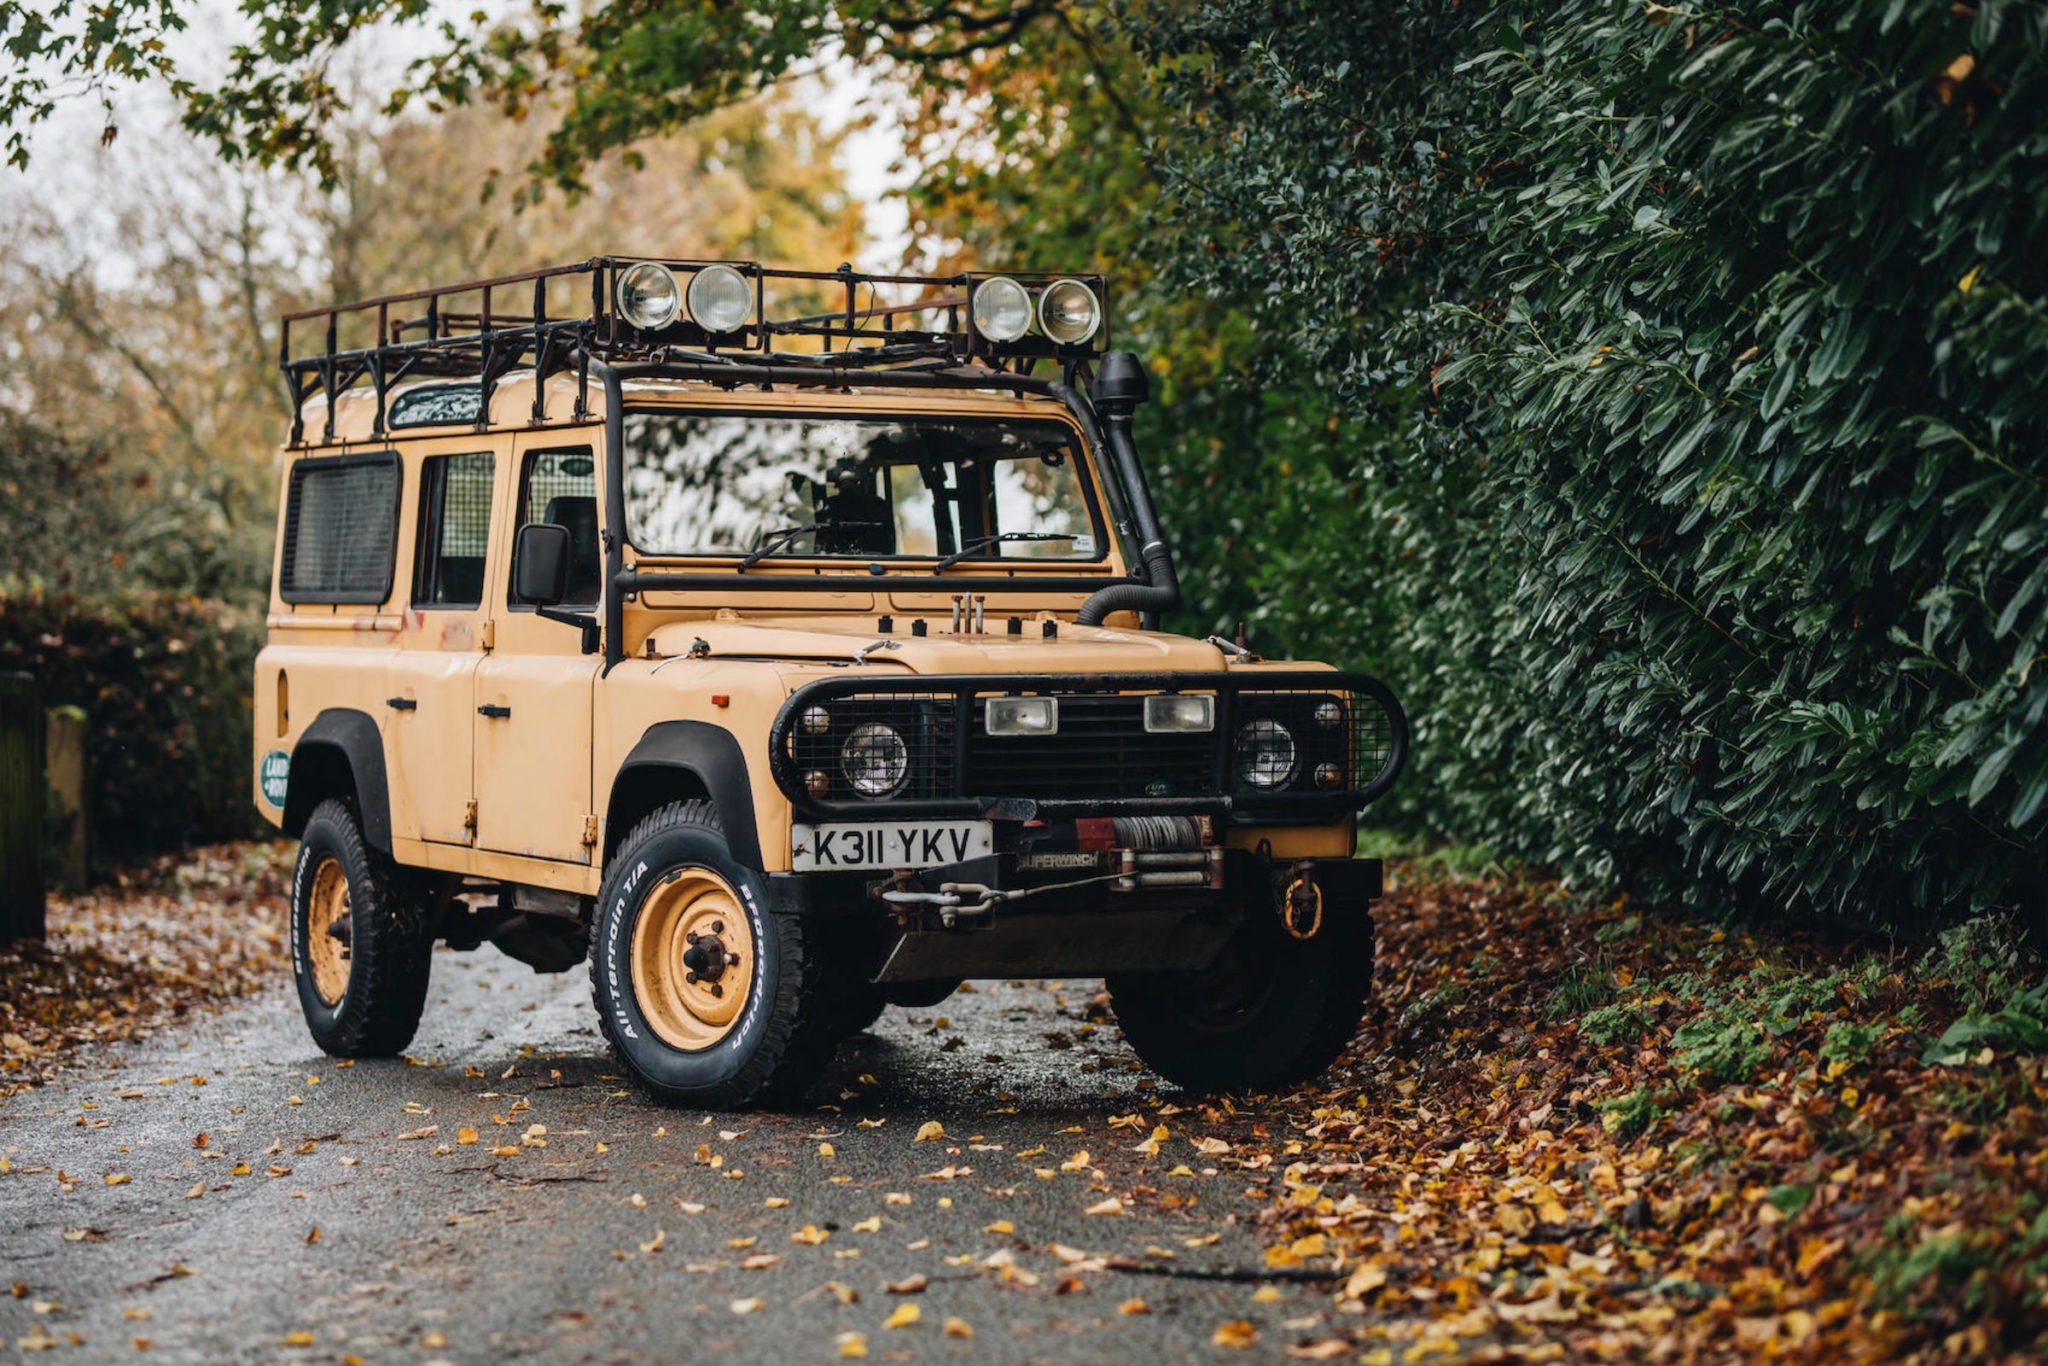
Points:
x=706, y=994
x=1271, y=1011
x=361, y=952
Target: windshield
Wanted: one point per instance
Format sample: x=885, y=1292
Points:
x=738, y=484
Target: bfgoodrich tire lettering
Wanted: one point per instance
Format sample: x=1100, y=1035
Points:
x=371, y=1010
x=773, y=1046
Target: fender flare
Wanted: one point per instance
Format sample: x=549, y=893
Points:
x=353, y=738
x=711, y=755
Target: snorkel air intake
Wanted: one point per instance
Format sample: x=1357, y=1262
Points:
x=1120, y=386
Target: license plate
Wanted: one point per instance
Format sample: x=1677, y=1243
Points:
x=866, y=845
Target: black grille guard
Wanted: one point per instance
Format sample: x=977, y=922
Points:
x=1377, y=743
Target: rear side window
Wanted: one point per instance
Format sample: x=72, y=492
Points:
x=340, y=529
x=455, y=530
x=561, y=487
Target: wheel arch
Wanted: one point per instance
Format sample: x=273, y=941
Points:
x=340, y=755
x=676, y=761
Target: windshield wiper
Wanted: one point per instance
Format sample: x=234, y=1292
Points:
x=774, y=541
x=984, y=542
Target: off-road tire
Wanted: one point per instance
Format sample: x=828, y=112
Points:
x=390, y=952
x=787, y=1029
x=1273, y=1011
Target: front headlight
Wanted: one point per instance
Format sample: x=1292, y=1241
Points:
x=1265, y=753
x=1002, y=310
x=1069, y=312
x=1021, y=716
x=649, y=298
x=719, y=299
x=874, y=759
x=1180, y=713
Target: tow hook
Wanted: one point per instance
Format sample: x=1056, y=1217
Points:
x=1301, y=905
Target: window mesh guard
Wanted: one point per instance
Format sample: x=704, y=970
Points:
x=341, y=522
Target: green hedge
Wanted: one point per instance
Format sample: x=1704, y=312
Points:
x=1698, y=362
x=164, y=683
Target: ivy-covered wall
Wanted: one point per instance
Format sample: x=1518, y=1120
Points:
x=1692, y=469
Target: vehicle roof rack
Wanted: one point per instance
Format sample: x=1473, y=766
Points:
x=812, y=324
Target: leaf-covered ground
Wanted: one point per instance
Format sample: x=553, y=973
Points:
x=133, y=956
x=1564, y=1132
x=1609, y=1134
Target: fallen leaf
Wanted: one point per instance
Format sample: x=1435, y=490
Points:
x=929, y=1131
x=903, y=1315
x=1237, y=1333
x=909, y=1285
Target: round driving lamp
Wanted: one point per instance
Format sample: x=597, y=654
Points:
x=720, y=300
x=648, y=296
x=1069, y=312
x=1265, y=754
x=1329, y=715
x=815, y=721
x=874, y=759
x=1329, y=776
x=818, y=783
x=1002, y=310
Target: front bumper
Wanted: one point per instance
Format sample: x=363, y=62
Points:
x=1075, y=920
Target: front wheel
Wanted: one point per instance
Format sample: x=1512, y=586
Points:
x=361, y=952
x=706, y=994
x=1273, y=1010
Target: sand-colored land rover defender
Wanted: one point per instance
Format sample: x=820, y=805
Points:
x=786, y=644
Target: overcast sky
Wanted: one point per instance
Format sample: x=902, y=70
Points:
x=80, y=181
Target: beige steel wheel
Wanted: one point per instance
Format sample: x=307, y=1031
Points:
x=327, y=905
x=711, y=994
x=692, y=958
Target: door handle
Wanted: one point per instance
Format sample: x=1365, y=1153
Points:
x=402, y=703
x=494, y=711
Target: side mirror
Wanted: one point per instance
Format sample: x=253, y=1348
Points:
x=540, y=564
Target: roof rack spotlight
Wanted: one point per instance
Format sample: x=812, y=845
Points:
x=1068, y=312
x=720, y=300
x=649, y=297
x=1002, y=310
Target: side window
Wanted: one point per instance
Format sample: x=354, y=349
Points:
x=561, y=487
x=455, y=528
x=340, y=529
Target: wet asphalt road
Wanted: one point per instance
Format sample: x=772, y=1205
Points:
x=428, y=1249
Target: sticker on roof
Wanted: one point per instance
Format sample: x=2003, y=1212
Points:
x=440, y=406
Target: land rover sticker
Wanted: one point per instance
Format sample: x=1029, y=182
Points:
x=273, y=776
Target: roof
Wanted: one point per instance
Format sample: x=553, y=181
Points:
x=565, y=403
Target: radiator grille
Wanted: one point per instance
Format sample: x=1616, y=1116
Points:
x=1101, y=750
